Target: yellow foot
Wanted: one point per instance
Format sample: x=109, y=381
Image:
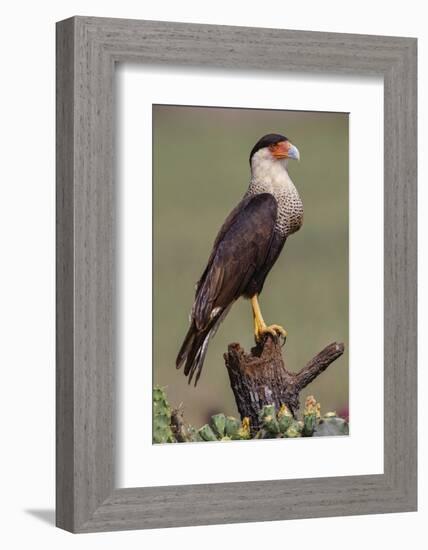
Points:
x=274, y=330
x=260, y=327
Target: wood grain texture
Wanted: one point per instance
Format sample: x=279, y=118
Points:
x=64, y=278
x=261, y=377
x=87, y=49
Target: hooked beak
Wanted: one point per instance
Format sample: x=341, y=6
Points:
x=293, y=152
x=284, y=150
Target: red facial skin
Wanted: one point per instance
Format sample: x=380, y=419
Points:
x=280, y=150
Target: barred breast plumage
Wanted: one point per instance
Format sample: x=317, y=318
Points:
x=290, y=206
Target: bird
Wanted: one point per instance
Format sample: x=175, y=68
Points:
x=245, y=250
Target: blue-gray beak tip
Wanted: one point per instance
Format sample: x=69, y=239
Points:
x=293, y=153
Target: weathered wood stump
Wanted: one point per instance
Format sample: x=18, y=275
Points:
x=261, y=377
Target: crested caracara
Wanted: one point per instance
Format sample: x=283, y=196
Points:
x=245, y=249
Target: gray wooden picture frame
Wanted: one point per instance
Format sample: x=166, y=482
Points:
x=87, y=51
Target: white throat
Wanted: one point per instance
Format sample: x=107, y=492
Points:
x=269, y=172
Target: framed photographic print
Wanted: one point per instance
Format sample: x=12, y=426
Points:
x=236, y=274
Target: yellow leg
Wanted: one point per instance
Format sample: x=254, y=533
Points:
x=260, y=327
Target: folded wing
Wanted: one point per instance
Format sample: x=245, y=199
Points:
x=239, y=253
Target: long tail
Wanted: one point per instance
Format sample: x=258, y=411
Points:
x=193, y=351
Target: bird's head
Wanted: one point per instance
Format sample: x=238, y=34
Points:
x=273, y=148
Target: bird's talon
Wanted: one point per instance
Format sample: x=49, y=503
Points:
x=274, y=330
x=278, y=330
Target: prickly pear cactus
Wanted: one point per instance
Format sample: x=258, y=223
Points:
x=278, y=424
x=225, y=428
x=162, y=432
x=311, y=414
x=169, y=425
x=282, y=424
x=330, y=424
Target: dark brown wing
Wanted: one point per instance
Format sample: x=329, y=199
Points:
x=239, y=252
x=228, y=222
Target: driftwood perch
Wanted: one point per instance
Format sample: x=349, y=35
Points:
x=261, y=378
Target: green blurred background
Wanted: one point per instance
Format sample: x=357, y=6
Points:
x=201, y=171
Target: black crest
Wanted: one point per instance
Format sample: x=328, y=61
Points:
x=265, y=141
